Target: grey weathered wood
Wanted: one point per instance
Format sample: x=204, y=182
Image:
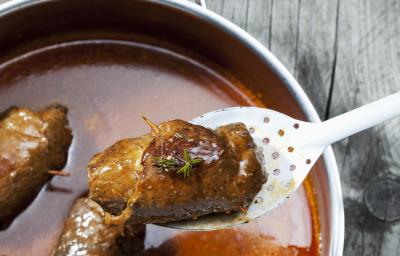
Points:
x=380, y=198
x=284, y=31
x=344, y=53
x=235, y=11
x=316, y=50
x=251, y=15
x=259, y=20
x=367, y=68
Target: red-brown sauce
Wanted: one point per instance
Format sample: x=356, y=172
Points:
x=107, y=86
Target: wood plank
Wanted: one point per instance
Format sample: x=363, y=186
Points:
x=368, y=64
x=316, y=50
x=254, y=16
x=233, y=10
x=259, y=20
x=284, y=31
x=215, y=5
x=303, y=38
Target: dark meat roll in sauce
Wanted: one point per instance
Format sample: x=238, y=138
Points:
x=32, y=143
x=179, y=171
x=85, y=233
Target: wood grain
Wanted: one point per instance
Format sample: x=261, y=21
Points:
x=259, y=20
x=344, y=53
x=316, y=50
x=367, y=68
x=284, y=31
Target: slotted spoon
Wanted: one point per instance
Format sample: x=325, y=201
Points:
x=289, y=147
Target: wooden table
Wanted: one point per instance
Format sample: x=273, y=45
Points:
x=344, y=53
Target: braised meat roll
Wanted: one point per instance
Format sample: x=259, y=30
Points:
x=178, y=171
x=85, y=233
x=32, y=143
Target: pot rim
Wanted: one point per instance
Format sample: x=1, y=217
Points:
x=334, y=186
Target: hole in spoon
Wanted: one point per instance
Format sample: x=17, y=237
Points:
x=266, y=140
x=290, y=149
x=276, y=172
x=308, y=161
x=251, y=130
x=296, y=126
x=292, y=167
x=266, y=120
x=275, y=155
x=258, y=199
x=281, y=132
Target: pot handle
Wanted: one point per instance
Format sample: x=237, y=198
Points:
x=202, y=3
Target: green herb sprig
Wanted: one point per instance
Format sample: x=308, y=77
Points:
x=189, y=164
x=165, y=163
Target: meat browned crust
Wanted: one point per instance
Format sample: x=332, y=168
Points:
x=125, y=181
x=31, y=144
x=85, y=233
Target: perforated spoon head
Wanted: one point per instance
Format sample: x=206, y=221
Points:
x=289, y=148
x=285, y=160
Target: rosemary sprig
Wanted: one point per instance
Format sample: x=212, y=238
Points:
x=164, y=163
x=189, y=163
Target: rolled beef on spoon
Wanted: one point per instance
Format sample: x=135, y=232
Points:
x=178, y=171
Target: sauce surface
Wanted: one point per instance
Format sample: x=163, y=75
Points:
x=107, y=86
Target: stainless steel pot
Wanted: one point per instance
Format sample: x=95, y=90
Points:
x=206, y=33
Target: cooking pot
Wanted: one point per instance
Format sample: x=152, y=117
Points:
x=23, y=23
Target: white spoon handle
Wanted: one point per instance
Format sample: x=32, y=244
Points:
x=354, y=121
